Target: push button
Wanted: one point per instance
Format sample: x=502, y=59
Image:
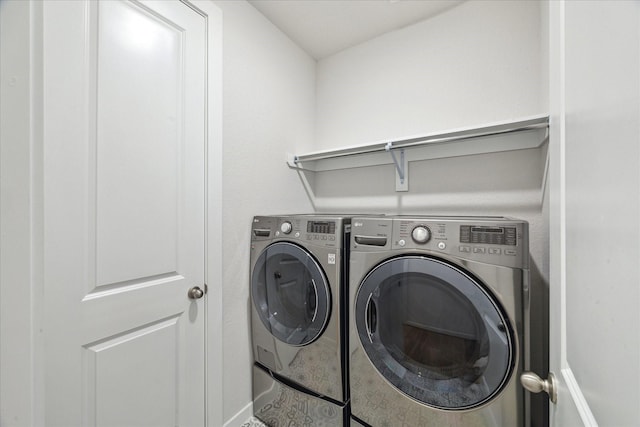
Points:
x=510, y=252
x=495, y=251
x=464, y=249
x=479, y=250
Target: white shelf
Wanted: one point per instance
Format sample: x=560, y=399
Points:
x=506, y=136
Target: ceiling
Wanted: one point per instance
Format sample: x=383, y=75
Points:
x=325, y=27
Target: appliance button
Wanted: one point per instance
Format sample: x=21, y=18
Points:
x=479, y=250
x=464, y=249
x=442, y=246
x=511, y=252
x=401, y=242
x=297, y=234
x=286, y=227
x=495, y=251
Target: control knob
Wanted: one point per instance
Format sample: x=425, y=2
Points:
x=286, y=227
x=421, y=234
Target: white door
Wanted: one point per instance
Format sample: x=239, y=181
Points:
x=124, y=213
x=595, y=211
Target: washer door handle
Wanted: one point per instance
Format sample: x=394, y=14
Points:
x=371, y=317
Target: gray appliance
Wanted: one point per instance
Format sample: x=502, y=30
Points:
x=438, y=323
x=298, y=319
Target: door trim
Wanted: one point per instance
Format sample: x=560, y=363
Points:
x=21, y=225
x=213, y=213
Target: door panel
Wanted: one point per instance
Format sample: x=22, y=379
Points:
x=602, y=180
x=117, y=370
x=139, y=118
x=594, y=210
x=124, y=162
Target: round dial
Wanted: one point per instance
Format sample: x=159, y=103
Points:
x=286, y=227
x=421, y=234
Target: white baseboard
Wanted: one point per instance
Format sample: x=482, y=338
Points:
x=241, y=417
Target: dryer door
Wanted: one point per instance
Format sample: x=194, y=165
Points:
x=290, y=293
x=434, y=332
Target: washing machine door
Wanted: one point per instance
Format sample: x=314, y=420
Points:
x=434, y=332
x=290, y=293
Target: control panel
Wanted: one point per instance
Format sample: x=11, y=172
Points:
x=304, y=228
x=321, y=231
x=488, y=235
x=494, y=240
x=321, y=227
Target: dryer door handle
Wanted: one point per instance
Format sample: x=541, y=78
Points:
x=371, y=317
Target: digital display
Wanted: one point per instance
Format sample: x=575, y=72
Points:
x=321, y=227
x=488, y=235
x=487, y=230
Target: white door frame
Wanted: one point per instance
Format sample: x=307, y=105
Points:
x=21, y=220
x=22, y=295
x=213, y=267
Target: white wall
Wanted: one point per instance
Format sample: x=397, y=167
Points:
x=477, y=63
x=269, y=106
x=481, y=62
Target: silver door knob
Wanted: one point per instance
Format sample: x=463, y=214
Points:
x=535, y=384
x=195, y=293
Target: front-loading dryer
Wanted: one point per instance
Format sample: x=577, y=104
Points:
x=298, y=318
x=437, y=325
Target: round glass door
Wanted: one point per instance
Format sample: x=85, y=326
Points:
x=434, y=332
x=290, y=293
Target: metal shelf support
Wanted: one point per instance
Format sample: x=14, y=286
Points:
x=402, y=176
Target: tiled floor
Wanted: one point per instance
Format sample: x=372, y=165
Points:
x=253, y=422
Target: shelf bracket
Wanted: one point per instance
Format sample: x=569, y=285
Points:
x=402, y=167
x=292, y=161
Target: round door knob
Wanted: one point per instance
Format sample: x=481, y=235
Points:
x=195, y=293
x=535, y=384
x=286, y=227
x=421, y=234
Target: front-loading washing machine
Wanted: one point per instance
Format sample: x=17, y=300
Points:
x=298, y=321
x=438, y=321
